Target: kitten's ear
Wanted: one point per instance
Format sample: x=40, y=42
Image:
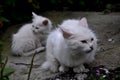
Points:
x=66, y=34
x=45, y=22
x=83, y=22
x=34, y=15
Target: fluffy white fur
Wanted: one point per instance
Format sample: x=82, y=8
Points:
x=70, y=45
x=28, y=39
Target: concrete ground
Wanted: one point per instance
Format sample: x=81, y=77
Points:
x=106, y=27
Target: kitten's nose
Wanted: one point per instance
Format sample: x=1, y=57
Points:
x=91, y=47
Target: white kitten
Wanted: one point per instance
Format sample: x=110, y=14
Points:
x=71, y=45
x=28, y=39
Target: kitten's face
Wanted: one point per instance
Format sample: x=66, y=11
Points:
x=81, y=39
x=82, y=44
x=40, y=24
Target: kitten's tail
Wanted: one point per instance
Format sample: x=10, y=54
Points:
x=35, y=51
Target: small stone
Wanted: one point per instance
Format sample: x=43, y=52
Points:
x=57, y=79
x=110, y=40
x=81, y=76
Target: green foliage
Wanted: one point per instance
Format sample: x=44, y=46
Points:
x=8, y=71
x=109, y=6
x=3, y=19
x=70, y=1
x=1, y=43
x=82, y=3
x=4, y=72
x=20, y=10
x=118, y=76
x=54, y=1
x=1, y=9
x=10, y=2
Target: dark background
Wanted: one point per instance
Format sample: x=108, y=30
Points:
x=17, y=11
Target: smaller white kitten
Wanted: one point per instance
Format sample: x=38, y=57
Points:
x=71, y=45
x=28, y=39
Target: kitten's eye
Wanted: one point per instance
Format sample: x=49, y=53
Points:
x=36, y=28
x=92, y=39
x=32, y=25
x=84, y=41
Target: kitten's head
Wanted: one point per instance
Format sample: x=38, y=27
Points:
x=79, y=38
x=40, y=23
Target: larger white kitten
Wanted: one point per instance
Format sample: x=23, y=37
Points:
x=70, y=45
x=29, y=37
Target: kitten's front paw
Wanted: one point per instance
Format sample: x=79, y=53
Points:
x=63, y=68
x=49, y=66
x=79, y=69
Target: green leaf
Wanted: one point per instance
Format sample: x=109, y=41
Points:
x=82, y=3
x=97, y=1
x=10, y=2
x=7, y=71
x=109, y=6
x=53, y=1
x=1, y=43
x=4, y=19
x=1, y=9
x=71, y=1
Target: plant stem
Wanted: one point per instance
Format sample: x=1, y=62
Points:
x=3, y=67
x=31, y=67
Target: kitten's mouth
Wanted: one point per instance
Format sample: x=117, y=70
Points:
x=89, y=51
